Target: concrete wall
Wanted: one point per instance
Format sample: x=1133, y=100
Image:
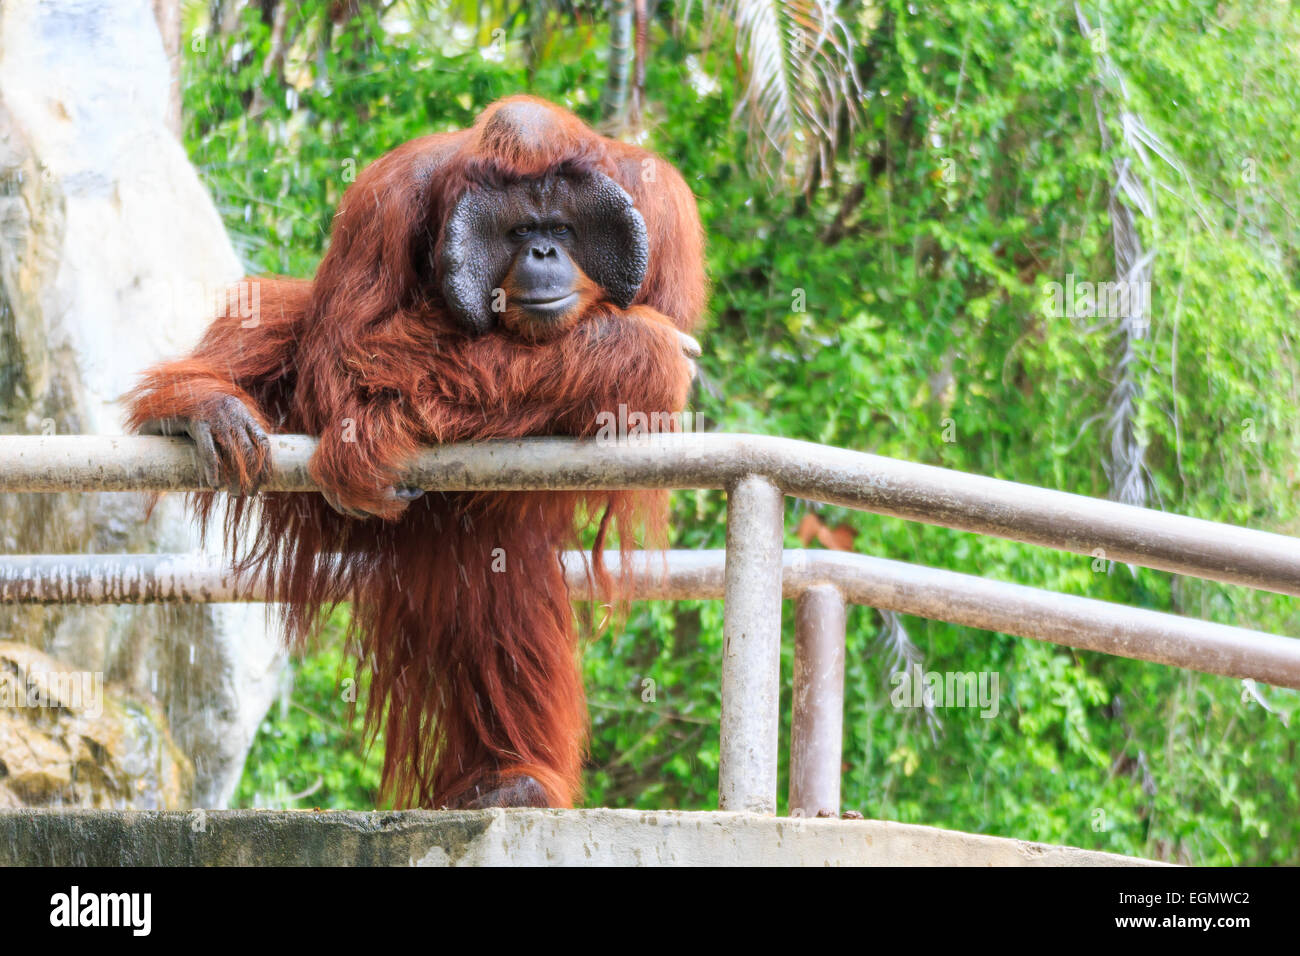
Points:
x=501, y=838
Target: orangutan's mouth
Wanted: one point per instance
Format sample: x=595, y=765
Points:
x=549, y=307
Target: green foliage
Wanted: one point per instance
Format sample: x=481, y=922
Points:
x=900, y=310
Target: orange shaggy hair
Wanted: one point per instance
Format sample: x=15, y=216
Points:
x=475, y=677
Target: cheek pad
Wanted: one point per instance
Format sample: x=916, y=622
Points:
x=474, y=257
x=611, y=239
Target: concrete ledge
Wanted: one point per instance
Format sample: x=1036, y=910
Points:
x=500, y=838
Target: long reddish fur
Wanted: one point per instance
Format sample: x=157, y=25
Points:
x=474, y=673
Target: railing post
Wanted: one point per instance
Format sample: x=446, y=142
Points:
x=751, y=654
x=816, y=730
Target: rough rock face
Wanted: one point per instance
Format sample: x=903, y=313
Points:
x=67, y=739
x=110, y=253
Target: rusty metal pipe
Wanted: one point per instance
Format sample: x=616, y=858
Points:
x=1085, y=623
x=817, y=723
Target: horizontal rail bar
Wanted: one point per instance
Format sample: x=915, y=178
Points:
x=884, y=485
x=887, y=486
x=1084, y=623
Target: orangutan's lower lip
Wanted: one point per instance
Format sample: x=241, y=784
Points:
x=551, y=306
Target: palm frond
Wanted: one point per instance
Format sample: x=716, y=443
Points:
x=801, y=90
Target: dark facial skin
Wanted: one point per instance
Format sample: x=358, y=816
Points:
x=536, y=255
x=545, y=289
x=543, y=280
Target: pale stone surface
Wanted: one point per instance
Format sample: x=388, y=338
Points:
x=503, y=838
x=110, y=250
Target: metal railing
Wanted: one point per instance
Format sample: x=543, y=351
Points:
x=756, y=472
